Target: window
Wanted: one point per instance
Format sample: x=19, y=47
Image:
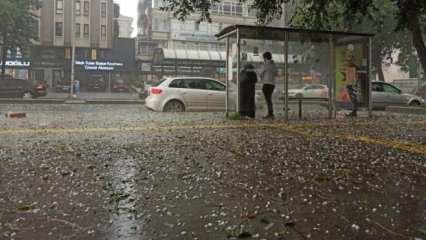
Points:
x=86, y=8
x=196, y=83
x=86, y=30
x=59, y=6
x=36, y=26
x=86, y=53
x=178, y=83
x=103, y=32
x=59, y=29
x=226, y=8
x=391, y=89
x=377, y=87
x=78, y=30
x=78, y=8
x=156, y=24
x=197, y=26
x=103, y=9
x=215, y=86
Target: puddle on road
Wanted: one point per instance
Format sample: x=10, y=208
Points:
x=124, y=224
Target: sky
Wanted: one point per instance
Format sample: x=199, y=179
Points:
x=129, y=8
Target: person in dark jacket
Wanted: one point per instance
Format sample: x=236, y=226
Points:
x=248, y=81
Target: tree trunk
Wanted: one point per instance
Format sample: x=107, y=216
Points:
x=3, y=61
x=412, y=16
x=379, y=69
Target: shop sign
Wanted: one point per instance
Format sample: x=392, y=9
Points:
x=99, y=65
x=16, y=63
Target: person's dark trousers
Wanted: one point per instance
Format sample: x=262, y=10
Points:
x=353, y=98
x=268, y=89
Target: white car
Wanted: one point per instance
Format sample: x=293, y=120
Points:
x=385, y=94
x=186, y=94
x=311, y=90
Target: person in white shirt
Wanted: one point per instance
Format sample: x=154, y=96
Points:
x=267, y=73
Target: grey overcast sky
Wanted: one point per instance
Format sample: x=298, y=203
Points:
x=129, y=8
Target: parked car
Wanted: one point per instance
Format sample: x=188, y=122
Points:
x=39, y=90
x=307, y=91
x=385, y=94
x=97, y=84
x=18, y=88
x=187, y=94
x=120, y=86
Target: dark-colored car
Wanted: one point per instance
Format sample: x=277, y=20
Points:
x=39, y=90
x=120, y=86
x=18, y=88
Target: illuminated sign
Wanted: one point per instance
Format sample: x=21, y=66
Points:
x=98, y=65
x=16, y=63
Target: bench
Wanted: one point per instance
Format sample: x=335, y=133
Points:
x=300, y=100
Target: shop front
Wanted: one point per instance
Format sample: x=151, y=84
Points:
x=180, y=62
x=95, y=69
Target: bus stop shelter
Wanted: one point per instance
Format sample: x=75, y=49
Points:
x=306, y=59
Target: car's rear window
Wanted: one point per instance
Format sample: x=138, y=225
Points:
x=158, y=83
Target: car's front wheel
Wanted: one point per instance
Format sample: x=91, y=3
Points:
x=414, y=103
x=174, y=106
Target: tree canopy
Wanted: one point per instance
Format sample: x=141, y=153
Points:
x=16, y=26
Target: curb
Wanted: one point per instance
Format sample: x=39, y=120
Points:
x=69, y=101
x=410, y=110
x=36, y=101
x=115, y=102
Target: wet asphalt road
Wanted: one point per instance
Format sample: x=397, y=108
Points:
x=121, y=172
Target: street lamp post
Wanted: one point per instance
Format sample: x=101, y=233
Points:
x=72, y=48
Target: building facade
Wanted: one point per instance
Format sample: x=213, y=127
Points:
x=125, y=26
x=169, y=47
x=89, y=25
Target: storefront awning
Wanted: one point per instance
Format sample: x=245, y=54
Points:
x=172, y=56
x=164, y=55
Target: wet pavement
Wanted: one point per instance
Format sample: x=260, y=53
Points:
x=122, y=172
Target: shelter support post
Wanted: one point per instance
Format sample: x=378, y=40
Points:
x=370, y=98
x=286, y=75
x=227, y=67
x=332, y=80
x=238, y=69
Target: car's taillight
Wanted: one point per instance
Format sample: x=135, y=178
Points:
x=156, y=91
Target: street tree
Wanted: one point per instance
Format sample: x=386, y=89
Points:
x=409, y=15
x=383, y=22
x=16, y=26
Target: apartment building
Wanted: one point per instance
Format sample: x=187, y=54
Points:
x=167, y=46
x=89, y=25
x=125, y=26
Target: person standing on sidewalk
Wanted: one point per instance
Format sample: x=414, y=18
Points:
x=352, y=92
x=248, y=81
x=267, y=74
